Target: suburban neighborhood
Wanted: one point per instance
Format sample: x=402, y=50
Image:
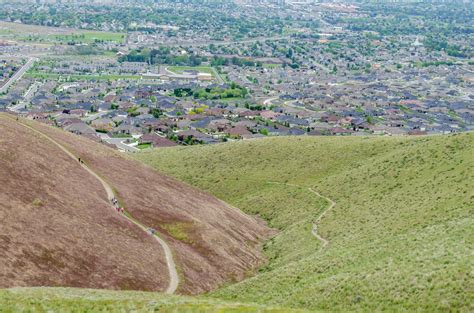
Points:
x=171, y=84
x=236, y=156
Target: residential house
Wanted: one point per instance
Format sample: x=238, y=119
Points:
x=103, y=124
x=125, y=129
x=80, y=128
x=238, y=132
x=157, y=141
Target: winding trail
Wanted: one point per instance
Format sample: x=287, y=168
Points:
x=314, y=230
x=173, y=273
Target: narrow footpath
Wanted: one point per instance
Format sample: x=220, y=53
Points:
x=173, y=273
x=314, y=230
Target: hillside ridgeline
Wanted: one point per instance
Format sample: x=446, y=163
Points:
x=58, y=228
x=399, y=235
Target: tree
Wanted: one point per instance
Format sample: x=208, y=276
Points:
x=156, y=112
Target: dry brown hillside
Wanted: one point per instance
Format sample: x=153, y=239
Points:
x=58, y=230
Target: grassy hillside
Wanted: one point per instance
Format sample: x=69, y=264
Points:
x=400, y=234
x=58, y=229
x=89, y=300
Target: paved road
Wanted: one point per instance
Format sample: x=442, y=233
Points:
x=26, y=98
x=222, y=43
x=17, y=107
x=291, y=105
x=466, y=70
x=218, y=76
x=90, y=118
x=173, y=273
x=270, y=100
x=32, y=90
x=118, y=142
x=18, y=75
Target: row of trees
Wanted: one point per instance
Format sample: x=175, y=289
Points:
x=216, y=93
x=164, y=55
x=438, y=44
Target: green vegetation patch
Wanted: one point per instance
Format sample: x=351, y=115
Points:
x=89, y=300
x=180, y=231
x=271, y=65
x=143, y=146
x=44, y=75
x=215, y=93
x=399, y=234
x=37, y=202
x=90, y=37
x=182, y=69
x=69, y=38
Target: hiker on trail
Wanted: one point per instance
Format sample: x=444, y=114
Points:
x=79, y=160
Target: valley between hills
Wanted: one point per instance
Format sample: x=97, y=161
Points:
x=274, y=224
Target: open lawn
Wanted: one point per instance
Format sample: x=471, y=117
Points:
x=181, y=69
x=45, y=34
x=90, y=37
x=400, y=234
x=271, y=65
x=42, y=75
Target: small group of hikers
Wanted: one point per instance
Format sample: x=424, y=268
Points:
x=117, y=206
x=113, y=200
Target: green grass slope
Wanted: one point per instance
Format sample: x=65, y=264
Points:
x=401, y=232
x=90, y=300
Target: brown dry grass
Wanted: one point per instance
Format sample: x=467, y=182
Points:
x=221, y=244
x=57, y=228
